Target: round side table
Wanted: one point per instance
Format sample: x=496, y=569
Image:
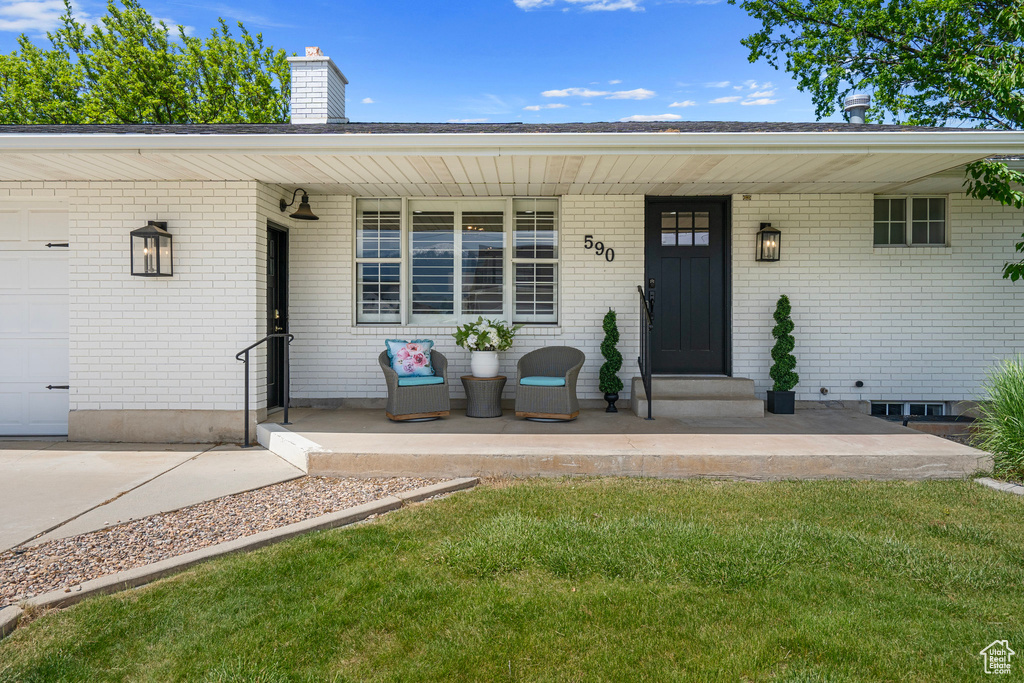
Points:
x=483, y=395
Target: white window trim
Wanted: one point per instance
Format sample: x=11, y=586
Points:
x=909, y=230
x=458, y=205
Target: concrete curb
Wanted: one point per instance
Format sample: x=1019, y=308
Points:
x=286, y=444
x=140, y=576
x=1001, y=485
x=9, y=618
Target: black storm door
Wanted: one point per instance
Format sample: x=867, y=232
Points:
x=687, y=244
x=277, y=312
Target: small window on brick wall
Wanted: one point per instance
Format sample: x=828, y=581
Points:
x=910, y=222
x=886, y=408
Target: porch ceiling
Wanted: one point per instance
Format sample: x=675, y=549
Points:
x=525, y=164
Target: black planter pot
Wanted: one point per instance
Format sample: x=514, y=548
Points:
x=781, y=402
x=611, y=398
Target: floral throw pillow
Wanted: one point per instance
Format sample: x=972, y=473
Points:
x=410, y=358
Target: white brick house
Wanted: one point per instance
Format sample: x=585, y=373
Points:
x=907, y=301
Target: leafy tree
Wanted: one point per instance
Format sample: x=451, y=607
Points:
x=128, y=68
x=782, y=353
x=925, y=62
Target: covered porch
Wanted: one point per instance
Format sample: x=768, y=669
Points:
x=821, y=441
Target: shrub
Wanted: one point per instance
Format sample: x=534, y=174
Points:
x=610, y=382
x=782, y=353
x=1000, y=431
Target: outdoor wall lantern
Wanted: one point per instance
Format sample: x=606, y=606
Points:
x=769, y=243
x=303, y=213
x=151, y=251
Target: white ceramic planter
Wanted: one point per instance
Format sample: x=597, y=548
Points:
x=484, y=363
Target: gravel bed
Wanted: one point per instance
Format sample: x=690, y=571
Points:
x=31, y=570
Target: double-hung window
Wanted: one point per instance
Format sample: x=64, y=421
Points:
x=441, y=262
x=910, y=221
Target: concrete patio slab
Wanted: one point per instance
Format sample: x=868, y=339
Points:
x=818, y=442
x=44, y=485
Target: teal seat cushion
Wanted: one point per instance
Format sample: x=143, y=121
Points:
x=419, y=381
x=542, y=381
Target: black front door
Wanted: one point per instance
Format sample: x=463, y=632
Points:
x=277, y=312
x=687, y=244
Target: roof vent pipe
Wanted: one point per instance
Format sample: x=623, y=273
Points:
x=856, y=105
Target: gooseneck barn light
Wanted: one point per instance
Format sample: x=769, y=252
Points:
x=303, y=213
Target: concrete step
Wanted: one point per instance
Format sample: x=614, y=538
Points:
x=682, y=397
x=701, y=407
x=696, y=387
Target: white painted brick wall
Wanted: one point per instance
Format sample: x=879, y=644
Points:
x=911, y=323
x=317, y=91
x=334, y=358
x=159, y=343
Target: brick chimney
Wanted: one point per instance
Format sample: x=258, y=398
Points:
x=318, y=89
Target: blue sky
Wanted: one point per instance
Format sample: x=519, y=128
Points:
x=504, y=60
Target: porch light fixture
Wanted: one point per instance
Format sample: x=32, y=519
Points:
x=151, y=251
x=303, y=213
x=769, y=243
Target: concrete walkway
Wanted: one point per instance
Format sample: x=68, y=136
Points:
x=815, y=443
x=61, y=489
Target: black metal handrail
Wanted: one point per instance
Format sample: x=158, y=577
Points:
x=644, y=360
x=243, y=356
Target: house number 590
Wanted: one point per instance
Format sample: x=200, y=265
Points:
x=599, y=248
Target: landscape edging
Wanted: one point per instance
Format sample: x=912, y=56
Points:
x=1001, y=485
x=139, y=576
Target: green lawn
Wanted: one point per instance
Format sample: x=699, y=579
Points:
x=581, y=580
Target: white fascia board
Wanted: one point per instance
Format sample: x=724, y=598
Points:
x=979, y=143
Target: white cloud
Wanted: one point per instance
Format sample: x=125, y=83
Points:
x=762, y=93
x=684, y=103
x=553, y=105
x=587, y=104
x=574, y=92
x=31, y=16
x=40, y=16
x=726, y=100
x=609, y=5
x=638, y=94
x=652, y=117
x=466, y=121
x=717, y=84
x=368, y=100
x=615, y=82
x=760, y=101
x=586, y=5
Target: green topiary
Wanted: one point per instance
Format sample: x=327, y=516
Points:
x=782, y=370
x=610, y=382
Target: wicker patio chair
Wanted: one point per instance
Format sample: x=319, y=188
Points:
x=417, y=403
x=549, y=402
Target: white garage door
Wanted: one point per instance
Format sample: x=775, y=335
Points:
x=33, y=321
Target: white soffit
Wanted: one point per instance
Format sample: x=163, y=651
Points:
x=521, y=163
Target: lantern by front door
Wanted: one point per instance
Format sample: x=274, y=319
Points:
x=151, y=251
